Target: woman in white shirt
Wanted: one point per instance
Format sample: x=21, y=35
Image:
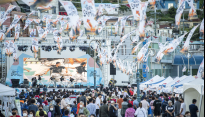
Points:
x=140, y=112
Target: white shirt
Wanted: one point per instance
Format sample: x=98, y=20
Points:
x=97, y=103
x=145, y=104
x=140, y=112
x=183, y=106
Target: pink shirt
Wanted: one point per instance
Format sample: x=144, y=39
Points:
x=130, y=112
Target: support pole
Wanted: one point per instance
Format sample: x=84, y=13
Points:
x=155, y=9
x=94, y=69
x=138, y=84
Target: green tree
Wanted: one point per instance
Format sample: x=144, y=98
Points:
x=172, y=12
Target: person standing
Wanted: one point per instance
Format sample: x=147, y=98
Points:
x=32, y=106
x=135, y=103
x=15, y=113
x=145, y=104
x=170, y=109
x=130, y=112
x=63, y=104
x=164, y=105
x=157, y=107
x=193, y=108
x=83, y=110
x=98, y=103
x=83, y=98
x=112, y=109
x=124, y=107
x=152, y=105
x=140, y=112
x=119, y=101
x=104, y=109
x=91, y=107
x=177, y=106
x=51, y=111
x=183, y=108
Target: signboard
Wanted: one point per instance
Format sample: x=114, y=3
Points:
x=62, y=13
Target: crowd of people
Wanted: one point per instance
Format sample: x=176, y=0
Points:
x=105, y=102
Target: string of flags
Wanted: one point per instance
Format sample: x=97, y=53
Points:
x=94, y=22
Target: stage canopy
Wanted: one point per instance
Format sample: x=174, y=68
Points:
x=183, y=60
x=6, y=91
x=186, y=80
x=175, y=81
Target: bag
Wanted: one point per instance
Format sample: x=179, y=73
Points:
x=112, y=111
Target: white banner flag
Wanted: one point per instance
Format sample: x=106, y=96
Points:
x=27, y=23
x=17, y=32
x=186, y=45
x=200, y=73
x=10, y=8
x=179, y=12
x=143, y=52
x=3, y=20
x=35, y=47
x=202, y=29
x=136, y=8
x=15, y=21
x=2, y=35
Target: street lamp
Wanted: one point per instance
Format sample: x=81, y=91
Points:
x=95, y=57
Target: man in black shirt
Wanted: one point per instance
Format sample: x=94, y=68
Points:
x=80, y=70
x=56, y=72
x=170, y=109
x=157, y=107
x=193, y=108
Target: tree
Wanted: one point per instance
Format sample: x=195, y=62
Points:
x=172, y=12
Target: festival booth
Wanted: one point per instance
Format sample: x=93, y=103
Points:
x=154, y=80
x=195, y=90
x=7, y=97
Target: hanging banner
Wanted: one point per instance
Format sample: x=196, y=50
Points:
x=57, y=37
x=63, y=23
x=2, y=35
x=17, y=32
x=179, y=14
x=9, y=48
x=202, y=29
x=126, y=36
x=136, y=47
x=123, y=22
x=152, y=3
x=35, y=47
x=184, y=69
x=42, y=34
x=160, y=54
x=186, y=45
x=99, y=11
x=59, y=47
x=192, y=11
x=173, y=45
x=136, y=8
x=45, y=17
x=15, y=21
x=89, y=12
x=15, y=56
x=2, y=14
x=143, y=11
x=45, y=8
x=3, y=20
x=37, y=21
x=143, y=52
x=37, y=3
x=200, y=73
x=32, y=12
x=27, y=23
x=10, y=8
x=32, y=32
x=117, y=26
x=109, y=8
x=142, y=30
x=48, y=25
x=103, y=21
x=136, y=38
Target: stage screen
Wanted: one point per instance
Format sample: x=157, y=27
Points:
x=75, y=68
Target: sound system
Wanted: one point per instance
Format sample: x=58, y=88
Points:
x=112, y=69
x=77, y=86
x=15, y=83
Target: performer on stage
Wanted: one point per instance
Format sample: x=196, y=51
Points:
x=80, y=69
x=56, y=71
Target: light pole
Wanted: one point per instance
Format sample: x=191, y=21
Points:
x=138, y=83
x=95, y=57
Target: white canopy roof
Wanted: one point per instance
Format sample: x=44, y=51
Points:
x=155, y=79
x=6, y=91
x=176, y=80
x=186, y=80
x=196, y=84
x=166, y=81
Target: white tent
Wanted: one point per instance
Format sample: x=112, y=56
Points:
x=195, y=90
x=166, y=81
x=186, y=80
x=155, y=79
x=176, y=80
x=6, y=91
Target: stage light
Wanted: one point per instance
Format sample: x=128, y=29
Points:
x=64, y=48
x=48, y=48
x=62, y=78
x=54, y=47
x=71, y=79
x=43, y=47
x=85, y=42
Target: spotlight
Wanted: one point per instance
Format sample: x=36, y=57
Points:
x=52, y=78
x=85, y=42
x=54, y=48
x=64, y=48
x=103, y=40
x=71, y=79
x=43, y=47
x=48, y=48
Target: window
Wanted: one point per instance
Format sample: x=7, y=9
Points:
x=170, y=5
x=54, y=10
x=195, y=24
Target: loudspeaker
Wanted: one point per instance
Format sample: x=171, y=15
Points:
x=15, y=83
x=112, y=69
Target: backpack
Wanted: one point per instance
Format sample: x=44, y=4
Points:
x=112, y=111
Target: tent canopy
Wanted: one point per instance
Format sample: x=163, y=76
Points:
x=155, y=79
x=6, y=91
x=186, y=80
x=175, y=81
x=195, y=84
x=166, y=81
